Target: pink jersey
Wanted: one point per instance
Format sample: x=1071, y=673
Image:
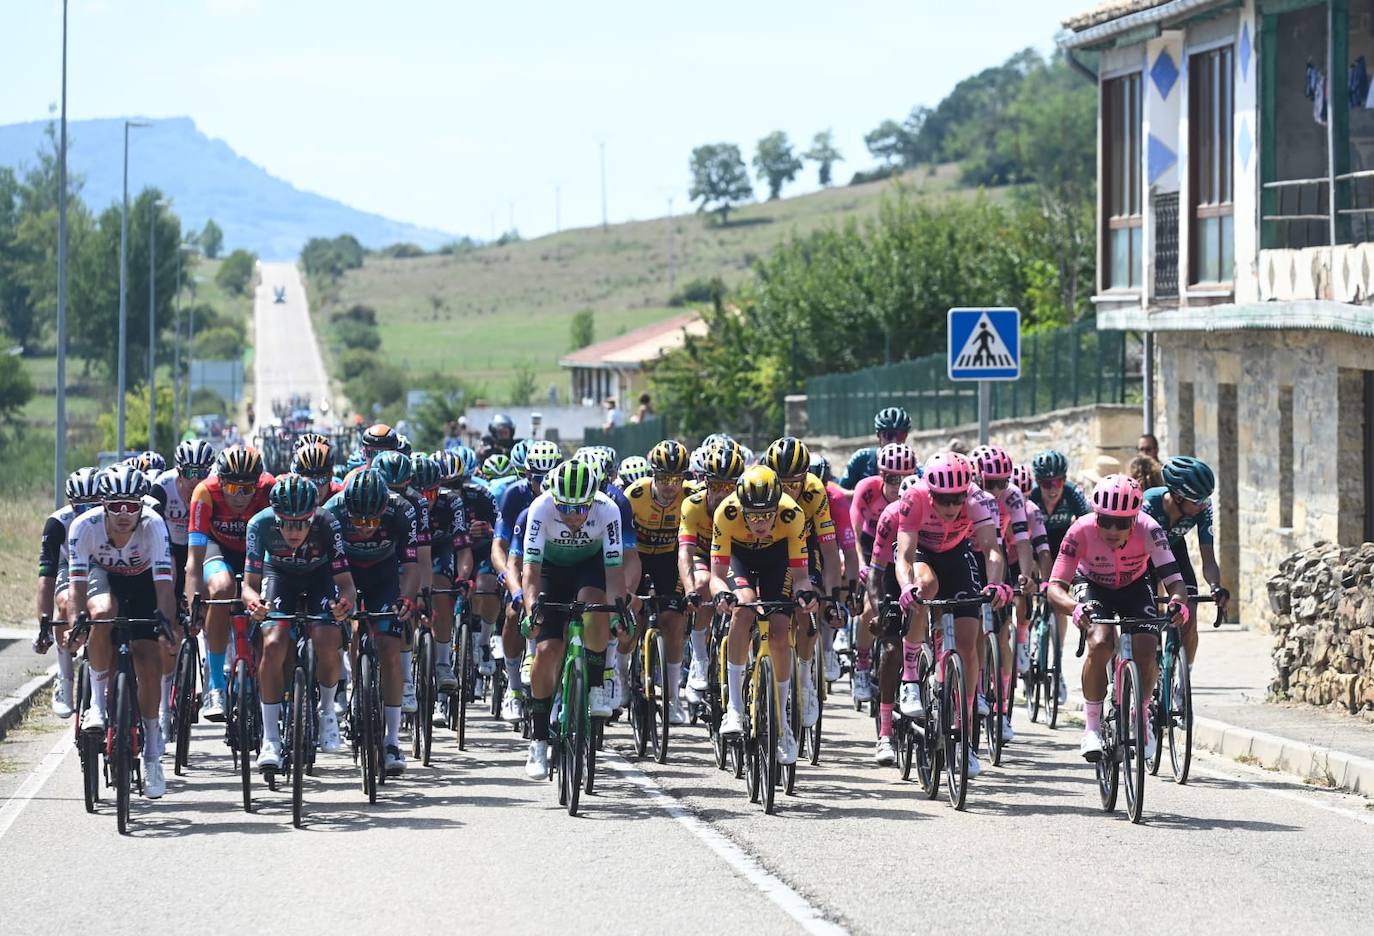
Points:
x=839, y=512
x=1084, y=551
x=1011, y=509
x=885, y=535
x=918, y=515
x=1035, y=525
x=868, y=505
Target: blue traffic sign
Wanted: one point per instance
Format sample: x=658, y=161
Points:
x=984, y=344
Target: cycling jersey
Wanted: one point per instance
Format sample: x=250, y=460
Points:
x=1071, y=506
x=885, y=535
x=499, y=486
x=839, y=512
x=1154, y=506
x=516, y=499
x=695, y=528
x=656, y=525
x=918, y=515
x=448, y=520
x=862, y=464
x=420, y=504
x=481, y=508
x=868, y=504
x=394, y=538
x=627, y=519
x=52, y=552
x=548, y=540
x=816, y=507
x=177, y=512
x=730, y=532
x=1035, y=525
x=268, y=551
x=148, y=549
x=1085, y=553
x=211, y=517
x=517, y=543
x=1011, y=512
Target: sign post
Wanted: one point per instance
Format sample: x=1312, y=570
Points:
x=984, y=345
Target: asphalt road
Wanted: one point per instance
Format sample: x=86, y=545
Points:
x=470, y=843
x=286, y=359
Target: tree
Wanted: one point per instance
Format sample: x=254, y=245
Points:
x=211, y=239
x=524, y=384
x=582, y=329
x=775, y=162
x=235, y=274
x=824, y=154
x=135, y=429
x=16, y=387
x=447, y=398
x=719, y=178
x=888, y=142
x=330, y=259
x=219, y=343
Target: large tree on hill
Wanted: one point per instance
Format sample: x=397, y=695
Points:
x=720, y=179
x=775, y=162
x=212, y=239
x=824, y=154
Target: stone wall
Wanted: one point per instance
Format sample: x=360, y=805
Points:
x=1323, y=605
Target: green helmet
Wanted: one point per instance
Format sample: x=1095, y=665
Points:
x=395, y=468
x=497, y=466
x=294, y=496
x=1189, y=478
x=366, y=494
x=424, y=472
x=573, y=483
x=518, y=453
x=1049, y=464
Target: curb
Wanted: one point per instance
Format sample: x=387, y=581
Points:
x=15, y=705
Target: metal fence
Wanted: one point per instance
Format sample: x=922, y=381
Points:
x=631, y=438
x=1070, y=366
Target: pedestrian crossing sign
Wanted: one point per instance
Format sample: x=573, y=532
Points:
x=984, y=344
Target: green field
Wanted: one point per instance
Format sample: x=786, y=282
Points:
x=476, y=315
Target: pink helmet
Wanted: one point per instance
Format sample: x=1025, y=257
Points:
x=948, y=473
x=992, y=461
x=897, y=458
x=909, y=482
x=1022, y=477
x=1117, y=495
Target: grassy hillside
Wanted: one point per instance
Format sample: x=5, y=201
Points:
x=478, y=314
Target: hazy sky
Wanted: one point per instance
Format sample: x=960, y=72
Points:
x=457, y=115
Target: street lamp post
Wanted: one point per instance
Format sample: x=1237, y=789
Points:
x=124, y=290
x=152, y=321
x=176, y=357
x=60, y=455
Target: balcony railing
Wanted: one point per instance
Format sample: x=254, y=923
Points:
x=1298, y=211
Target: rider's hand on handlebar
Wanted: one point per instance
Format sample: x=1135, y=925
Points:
x=258, y=609
x=341, y=609
x=908, y=597
x=1000, y=592
x=1084, y=612
x=404, y=609
x=806, y=600
x=725, y=601
x=1223, y=598
x=1178, y=612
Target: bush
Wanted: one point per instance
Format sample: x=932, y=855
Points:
x=352, y=334
x=236, y=272
x=355, y=362
x=16, y=387
x=331, y=258
x=874, y=175
x=221, y=343
x=699, y=290
x=402, y=251
x=461, y=246
x=382, y=386
x=205, y=400
x=356, y=313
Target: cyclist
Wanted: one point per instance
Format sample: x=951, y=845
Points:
x=379, y=532
x=635, y=467
x=397, y=470
x=221, y=507
x=942, y=521
x=500, y=436
x=296, y=561
x=1183, y=504
x=721, y=467
x=315, y=463
x=881, y=579
x=573, y=552
x=758, y=552
x=1105, y=558
x=483, y=516
x=891, y=424
x=872, y=496
x=656, y=506
x=83, y=494
x=790, y=459
x=499, y=472
x=378, y=438
x=540, y=458
x=450, y=553
x=120, y=565
x=1062, y=502
x=1022, y=477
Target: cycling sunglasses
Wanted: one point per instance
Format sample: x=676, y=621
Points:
x=1057, y=481
x=949, y=500
x=239, y=488
x=193, y=472
x=759, y=516
x=123, y=507
x=991, y=484
x=720, y=487
x=365, y=523
x=294, y=523
x=1115, y=523
x=893, y=478
x=892, y=435
x=669, y=478
x=574, y=510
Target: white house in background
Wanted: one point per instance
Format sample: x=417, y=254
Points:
x=1236, y=230
x=616, y=367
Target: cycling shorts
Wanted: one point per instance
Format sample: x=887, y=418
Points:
x=1135, y=600
x=284, y=592
x=179, y=567
x=659, y=575
x=560, y=584
x=443, y=562
x=135, y=596
x=220, y=560
x=63, y=579
x=956, y=570
x=379, y=590
x=764, y=570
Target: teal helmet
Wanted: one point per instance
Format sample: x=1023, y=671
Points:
x=572, y=483
x=366, y=494
x=1049, y=464
x=469, y=458
x=294, y=495
x=394, y=468
x=518, y=453
x=424, y=472
x=1189, y=478
x=355, y=460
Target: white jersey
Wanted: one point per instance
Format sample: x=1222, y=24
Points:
x=549, y=539
x=177, y=513
x=89, y=546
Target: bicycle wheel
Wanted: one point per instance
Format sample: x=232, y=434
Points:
x=244, y=740
x=595, y=735
x=1109, y=764
x=465, y=666
x=367, y=726
x=747, y=748
x=996, y=700
x=1054, y=675
x=638, y=707
x=1035, y=679
x=658, y=675
x=376, y=719
x=770, y=724
x=87, y=746
x=1180, y=718
x=123, y=749
x=929, y=733
x=1133, y=739
x=956, y=722
x=300, y=716
x=183, y=703
x=575, y=737
x=427, y=687
x=791, y=712
x=1158, y=711
x=822, y=690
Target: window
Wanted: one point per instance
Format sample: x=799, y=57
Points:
x=1211, y=88
x=1121, y=126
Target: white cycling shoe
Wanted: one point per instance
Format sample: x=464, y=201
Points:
x=975, y=766
x=910, y=702
x=696, y=676
x=408, y=701
x=832, y=665
x=810, y=706
x=1008, y=733
x=537, y=763
x=62, y=700
x=732, y=725
x=269, y=758
x=154, y=780
x=513, y=708
x=787, y=747
x=331, y=742
x=677, y=715
x=884, y=755
x=600, y=700
x=862, y=688
x=1091, y=746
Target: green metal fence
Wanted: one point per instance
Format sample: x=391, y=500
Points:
x=632, y=438
x=1070, y=366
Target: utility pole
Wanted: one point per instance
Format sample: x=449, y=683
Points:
x=124, y=292
x=60, y=455
x=604, y=225
x=152, y=322
x=672, y=258
x=176, y=357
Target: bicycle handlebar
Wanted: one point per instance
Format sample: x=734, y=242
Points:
x=965, y=602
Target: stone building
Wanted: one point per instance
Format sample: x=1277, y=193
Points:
x=1236, y=231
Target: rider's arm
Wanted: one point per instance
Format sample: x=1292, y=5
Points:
x=49, y=557
x=348, y=592
x=198, y=537
x=985, y=541
x=164, y=581
x=721, y=544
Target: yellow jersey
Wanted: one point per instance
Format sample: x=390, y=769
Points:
x=656, y=525
x=730, y=532
x=695, y=527
x=815, y=503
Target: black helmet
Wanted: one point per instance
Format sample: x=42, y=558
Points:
x=501, y=420
x=239, y=463
x=294, y=496
x=1049, y=464
x=381, y=437
x=891, y=419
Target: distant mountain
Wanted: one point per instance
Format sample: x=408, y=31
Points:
x=207, y=179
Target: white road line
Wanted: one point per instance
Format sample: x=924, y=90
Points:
x=1267, y=785
x=30, y=787
x=774, y=888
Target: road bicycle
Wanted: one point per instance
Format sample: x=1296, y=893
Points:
x=366, y=736
x=649, y=693
x=1171, y=707
x=1042, y=679
x=242, y=704
x=763, y=711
